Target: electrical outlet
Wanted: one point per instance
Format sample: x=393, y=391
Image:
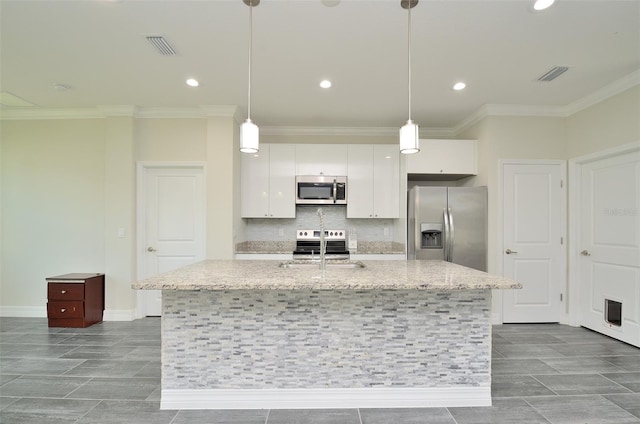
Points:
x=386, y=231
x=281, y=232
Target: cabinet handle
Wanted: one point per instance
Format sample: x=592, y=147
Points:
x=63, y=310
x=63, y=291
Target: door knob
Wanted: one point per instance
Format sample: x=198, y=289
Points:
x=509, y=251
x=585, y=253
x=150, y=249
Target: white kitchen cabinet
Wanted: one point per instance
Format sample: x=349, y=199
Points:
x=321, y=159
x=268, y=182
x=373, y=181
x=451, y=157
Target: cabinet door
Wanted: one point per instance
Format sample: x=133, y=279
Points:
x=282, y=181
x=321, y=159
x=386, y=181
x=360, y=181
x=255, y=184
x=456, y=157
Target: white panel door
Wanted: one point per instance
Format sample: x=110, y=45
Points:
x=610, y=247
x=533, y=237
x=174, y=224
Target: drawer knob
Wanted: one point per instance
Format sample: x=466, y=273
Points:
x=63, y=291
x=63, y=310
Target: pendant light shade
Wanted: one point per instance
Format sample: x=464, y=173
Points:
x=249, y=137
x=409, y=137
x=249, y=132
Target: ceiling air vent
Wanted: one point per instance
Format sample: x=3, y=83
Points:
x=553, y=73
x=161, y=45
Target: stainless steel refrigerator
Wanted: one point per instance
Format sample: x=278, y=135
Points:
x=448, y=223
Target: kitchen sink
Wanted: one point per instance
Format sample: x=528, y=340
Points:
x=330, y=264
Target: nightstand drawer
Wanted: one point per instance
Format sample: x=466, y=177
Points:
x=66, y=291
x=75, y=300
x=72, y=309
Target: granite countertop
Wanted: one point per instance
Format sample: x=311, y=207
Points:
x=377, y=275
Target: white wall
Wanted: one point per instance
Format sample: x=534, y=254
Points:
x=53, y=206
x=502, y=137
x=68, y=187
x=608, y=124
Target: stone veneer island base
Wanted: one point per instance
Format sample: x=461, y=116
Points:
x=248, y=334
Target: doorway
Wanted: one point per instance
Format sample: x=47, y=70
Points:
x=606, y=242
x=533, y=239
x=171, y=223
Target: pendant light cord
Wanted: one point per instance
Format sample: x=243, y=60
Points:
x=409, y=59
x=250, y=51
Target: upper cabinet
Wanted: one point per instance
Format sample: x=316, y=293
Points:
x=268, y=182
x=321, y=159
x=447, y=157
x=373, y=181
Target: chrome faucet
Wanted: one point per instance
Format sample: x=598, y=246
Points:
x=323, y=243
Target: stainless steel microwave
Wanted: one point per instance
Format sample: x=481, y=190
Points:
x=321, y=190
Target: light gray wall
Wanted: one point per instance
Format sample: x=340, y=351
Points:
x=68, y=186
x=607, y=124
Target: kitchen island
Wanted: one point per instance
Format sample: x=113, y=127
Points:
x=251, y=334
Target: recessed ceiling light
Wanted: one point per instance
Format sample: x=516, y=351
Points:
x=325, y=84
x=191, y=82
x=542, y=4
x=459, y=86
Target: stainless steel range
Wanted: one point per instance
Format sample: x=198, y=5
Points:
x=308, y=244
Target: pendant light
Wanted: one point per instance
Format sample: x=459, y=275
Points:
x=409, y=132
x=249, y=132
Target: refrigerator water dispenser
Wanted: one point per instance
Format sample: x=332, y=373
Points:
x=431, y=235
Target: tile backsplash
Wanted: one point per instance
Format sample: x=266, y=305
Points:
x=335, y=217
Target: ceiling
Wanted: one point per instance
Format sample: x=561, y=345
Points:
x=98, y=48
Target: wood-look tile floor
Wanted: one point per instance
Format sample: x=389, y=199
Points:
x=110, y=373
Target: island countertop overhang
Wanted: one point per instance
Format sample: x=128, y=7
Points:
x=216, y=275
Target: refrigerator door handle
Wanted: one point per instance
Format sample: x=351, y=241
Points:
x=451, y=235
x=445, y=249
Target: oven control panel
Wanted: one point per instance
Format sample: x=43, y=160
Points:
x=315, y=234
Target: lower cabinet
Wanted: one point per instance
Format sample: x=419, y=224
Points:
x=75, y=300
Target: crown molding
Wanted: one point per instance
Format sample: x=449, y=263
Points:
x=350, y=131
x=207, y=111
x=604, y=93
x=118, y=110
x=106, y=111
x=566, y=111
x=42, y=113
x=330, y=131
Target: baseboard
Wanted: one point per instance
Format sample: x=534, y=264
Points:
x=23, y=311
x=119, y=315
x=325, y=398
